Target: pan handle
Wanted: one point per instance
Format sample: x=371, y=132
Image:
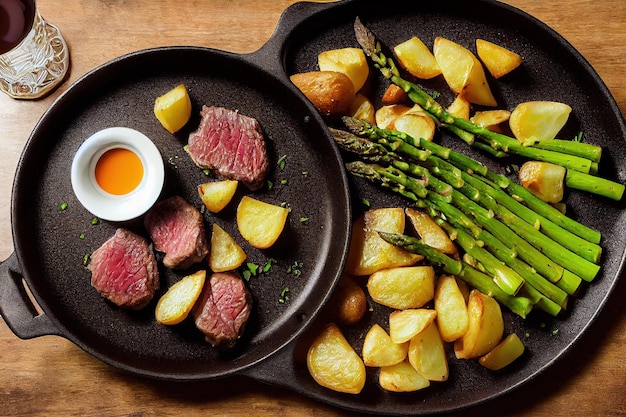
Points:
x=16, y=307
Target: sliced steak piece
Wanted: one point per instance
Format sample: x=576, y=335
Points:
x=232, y=145
x=177, y=229
x=223, y=309
x=124, y=270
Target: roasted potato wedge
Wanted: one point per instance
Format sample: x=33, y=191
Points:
x=452, y=317
x=173, y=109
x=417, y=58
x=217, y=194
x=403, y=287
x=463, y=72
x=334, y=364
x=427, y=354
x=394, y=95
x=349, y=61
x=348, y=302
x=174, y=306
x=379, y=350
x=385, y=116
x=331, y=92
x=368, y=252
x=545, y=180
x=225, y=254
x=362, y=108
x=401, y=377
x=405, y=324
x=430, y=232
x=531, y=121
x=260, y=223
x=460, y=107
x=498, y=60
x=417, y=125
x=508, y=350
x=486, y=327
x=491, y=119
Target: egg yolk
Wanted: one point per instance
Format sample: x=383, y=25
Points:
x=119, y=171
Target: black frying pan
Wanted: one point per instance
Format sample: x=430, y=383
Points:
x=122, y=93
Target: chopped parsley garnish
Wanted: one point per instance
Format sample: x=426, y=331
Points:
x=268, y=265
x=284, y=297
x=295, y=268
x=63, y=206
x=365, y=202
x=95, y=221
x=283, y=182
x=86, y=259
x=304, y=219
x=305, y=172
x=269, y=185
x=81, y=236
x=282, y=162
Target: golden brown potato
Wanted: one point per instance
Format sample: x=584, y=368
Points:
x=368, y=252
x=427, y=354
x=332, y=93
x=417, y=59
x=174, y=306
x=379, y=350
x=405, y=324
x=173, y=109
x=430, y=232
x=217, y=194
x=260, y=223
x=362, y=108
x=225, y=254
x=386, y=115
x=491, y=119
x=504, y=353
x=401, y=377
x=486, y=327
x=402, y=287
x=545, y=180
x=349, y=302
x=451, y=309
x=463, y=72
x=394, y=95
x=334, y=364
x=417, y=125
x=460, y=107
x=349, y=61
x=531, y=121
x=498, y=60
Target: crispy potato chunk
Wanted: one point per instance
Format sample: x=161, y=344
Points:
x=379, y=350
x=225, y=254
x=331, y=92
x=498, y=60
x=173, y=109
x=405, y=324
x=174, y=306
x=427, y=354
x=504, y=353
x=486, y=327
x=451, y=309
x=417, y=125
x=260, y=223
x=401, y=377
x=334, y=364
x=463, y=72
x=402, y=287
x=460, y=107
x=348, y=302
x=394, y=95
x=417, y=59
x=368, y=252
x=538, y=120
x=430, y=232
x=491, y=119
x=362, y=108
x=217, y=194
x=349, y=61
x=385, y=116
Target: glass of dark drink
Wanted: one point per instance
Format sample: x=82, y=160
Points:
x=34, y=58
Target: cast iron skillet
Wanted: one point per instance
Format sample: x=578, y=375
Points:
x=122, y=92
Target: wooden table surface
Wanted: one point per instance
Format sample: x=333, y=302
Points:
x=49, y=376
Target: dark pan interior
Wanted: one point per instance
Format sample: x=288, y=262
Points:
x=552, y=70
x=122, y=93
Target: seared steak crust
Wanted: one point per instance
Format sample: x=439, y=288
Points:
x=232, y=145
x=124, y=270
x=223, y=309
x=176, y=228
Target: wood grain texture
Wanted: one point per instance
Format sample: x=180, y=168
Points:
x=49, y=376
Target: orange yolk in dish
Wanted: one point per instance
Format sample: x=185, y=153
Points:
x=119, y=171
